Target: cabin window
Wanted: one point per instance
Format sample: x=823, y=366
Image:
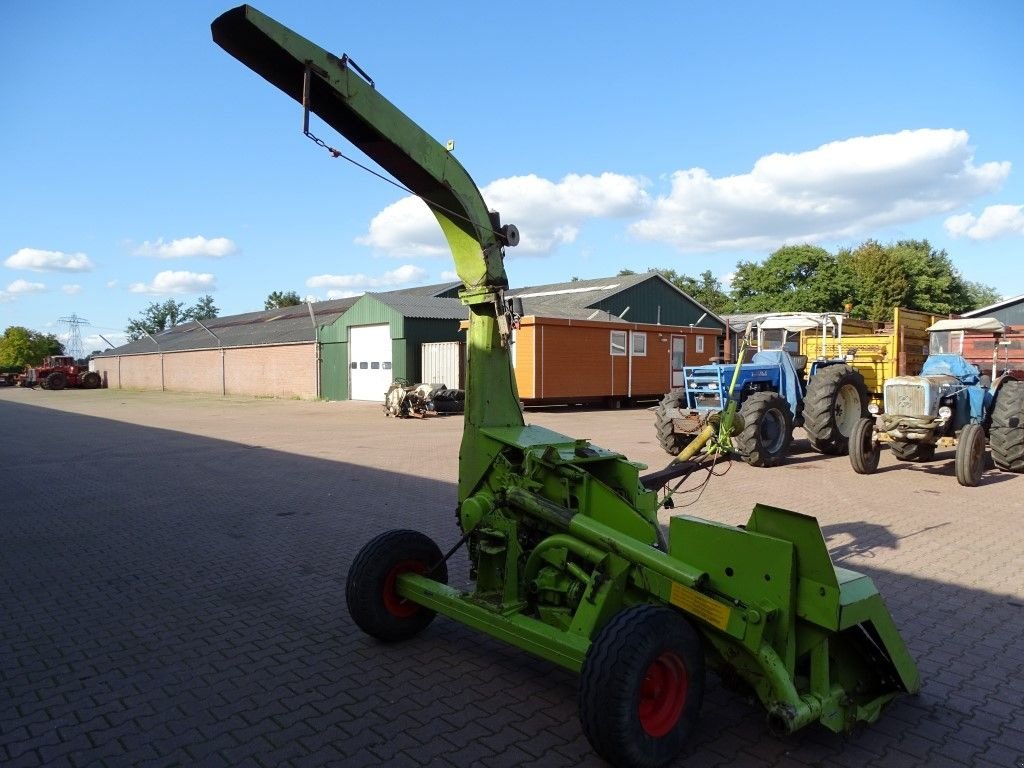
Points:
x=639, y=344
x=700, y=344
x=618, y=344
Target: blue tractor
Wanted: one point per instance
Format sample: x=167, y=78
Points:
x=775, y=391
x=952, y=403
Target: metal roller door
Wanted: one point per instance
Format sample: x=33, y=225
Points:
x=369, y=361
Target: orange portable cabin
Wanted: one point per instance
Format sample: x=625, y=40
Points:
x=609, y=339
x=562, y=360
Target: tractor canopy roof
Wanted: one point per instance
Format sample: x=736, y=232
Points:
x=797, y=321
x=984, y=324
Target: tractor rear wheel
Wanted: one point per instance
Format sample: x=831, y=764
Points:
x=970, y=455
x=641, y=686
x=864, y=451
x=836, y=399
x=767, y=429
x=1006, y=436
x=908, y=451
x=669, y=440
x=371, y=590
x=56, y=380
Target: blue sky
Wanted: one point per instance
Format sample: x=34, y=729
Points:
x=141, y=162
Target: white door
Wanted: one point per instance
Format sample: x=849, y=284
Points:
x=678, y=360
x=369, y=362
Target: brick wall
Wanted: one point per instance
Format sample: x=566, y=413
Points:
x=274, y=371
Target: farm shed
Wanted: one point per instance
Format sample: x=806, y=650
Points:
x=270, y=353
x=379, y=340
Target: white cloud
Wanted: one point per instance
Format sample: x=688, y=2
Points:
x=449, y=275
x=185, y=247
x=93, y=341
x=840, y=189
x=19, y=288
x=340, y=286
x=111, y=283
x=71, y=289
x=48, y=261
x=548, y=214
x=165, y=283
x=995, y=221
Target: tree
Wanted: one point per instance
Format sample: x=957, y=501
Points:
x=795, y=278
x=159, y=316
x=20, y=347
x=980, y=295
x=277, y=300
x=204, y=309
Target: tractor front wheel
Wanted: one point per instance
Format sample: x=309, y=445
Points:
x=91, y=380
x=641, y=686
x=909, y=451
x=970, y=455
x=836, y=398
x=669, y=440
x=767, y=429
x=864, y=451
x=56, y=380
x=1007, y=433
x=371, y=590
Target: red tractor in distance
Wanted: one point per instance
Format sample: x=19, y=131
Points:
x=60, y=372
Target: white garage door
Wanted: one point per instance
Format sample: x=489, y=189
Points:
x=369, y=362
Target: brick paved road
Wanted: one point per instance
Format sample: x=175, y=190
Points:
x=171, y=593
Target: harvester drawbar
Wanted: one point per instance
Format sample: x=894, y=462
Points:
x=566, y=552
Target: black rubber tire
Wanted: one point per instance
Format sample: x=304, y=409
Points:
x=830, y=408
x=374, y=605
x=649, y=644
x=864, y=451
x=1006, y=436
x=91, y=380
x=767, y=429
x=907, y=451
x=970, y=455
x=671, y=442
x=56, y=380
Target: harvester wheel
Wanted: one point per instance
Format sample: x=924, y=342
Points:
x=1006, y=436
x=864, y=451
x=970, y=455
x=836, y=398
x=670, y=441
x=371, y=589
x=767, y=429
x=91, y=380
x=908, y=451
x=56, y=380
x=641, y=686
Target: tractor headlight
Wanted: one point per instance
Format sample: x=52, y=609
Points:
x=873, y=409
x=945, y=412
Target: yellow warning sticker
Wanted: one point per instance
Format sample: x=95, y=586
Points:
x=704, y=608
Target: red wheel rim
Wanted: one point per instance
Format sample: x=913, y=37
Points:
x=398, y=606
x=663, y=694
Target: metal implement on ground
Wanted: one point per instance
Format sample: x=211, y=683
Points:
x=567, y=557
x=952, y=403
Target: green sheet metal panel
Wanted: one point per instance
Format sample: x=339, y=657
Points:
x=657, y=301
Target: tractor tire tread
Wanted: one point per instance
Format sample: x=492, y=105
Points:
x=1006, y=436
x=748, y=440
x=820, y=404
x=670, y=442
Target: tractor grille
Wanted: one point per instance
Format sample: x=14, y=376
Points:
x=907, y=400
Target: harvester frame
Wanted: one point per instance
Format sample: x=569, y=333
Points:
x=566, y=550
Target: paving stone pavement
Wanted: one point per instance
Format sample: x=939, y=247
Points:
x=172, y=574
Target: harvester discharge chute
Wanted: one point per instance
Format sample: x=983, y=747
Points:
x=566, y=552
